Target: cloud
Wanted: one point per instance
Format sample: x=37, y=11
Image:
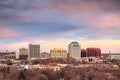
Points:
x=99, y=18
x=52, y=18
x=8, y=33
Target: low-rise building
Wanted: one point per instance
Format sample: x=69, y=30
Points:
x=57, y=53
x=11, y=55
x=114, y=56
x=44, y=55
x=23, y=53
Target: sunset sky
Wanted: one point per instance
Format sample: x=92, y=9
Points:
x=55, y=23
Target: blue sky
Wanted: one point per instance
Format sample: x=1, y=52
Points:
x=60, y=21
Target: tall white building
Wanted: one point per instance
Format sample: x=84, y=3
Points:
x=34, y=50
x=74, y=50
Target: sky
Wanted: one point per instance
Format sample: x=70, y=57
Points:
x=56, y=23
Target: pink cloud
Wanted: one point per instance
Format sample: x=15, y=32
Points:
x=91, y=13
x=73, y=6
x=9, y=33
x=4, y=22
x=23, y=18
x=100, y=18
x=105, y=21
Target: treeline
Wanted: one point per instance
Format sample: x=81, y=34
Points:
x=67, y=73
x=47, y=61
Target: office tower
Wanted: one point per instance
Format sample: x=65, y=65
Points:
x=58, y=53
x=93, y=52
x=34, y=51
x=74, y=50
x=23, y=53
x=83, y=53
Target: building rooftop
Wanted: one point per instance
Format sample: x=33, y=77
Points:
x=58, y=49
x=74, y=43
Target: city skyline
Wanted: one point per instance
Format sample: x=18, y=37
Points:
x=56, y=23
x=43, y=49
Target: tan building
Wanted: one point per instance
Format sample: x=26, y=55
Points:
x=58, y=53
x=23, y=53
x=44, y=55
x=10, y=55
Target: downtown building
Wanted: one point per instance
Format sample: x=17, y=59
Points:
x=44, y=55
x=83, y=53
x=34, y=51
x=58, y=53
x=23, y=53
x=7, y=55
x=93, y=52
x=74, y=50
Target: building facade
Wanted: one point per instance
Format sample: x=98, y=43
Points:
x=114, y=56
x=74, y=50
x=23, y=53
x=58, y=53
x=44, y=55
x=34, y=50
x=93, y=52
x=8, y=55
x=83, y=53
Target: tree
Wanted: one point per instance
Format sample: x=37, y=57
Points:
x=43, y=77
x=21, y=76
x=9, y=62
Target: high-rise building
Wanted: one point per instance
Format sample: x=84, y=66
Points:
x=83, y=53
x=58, y=53
x=93, y=52
x=23, y=53
x=74, y=50
x=34, y=51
